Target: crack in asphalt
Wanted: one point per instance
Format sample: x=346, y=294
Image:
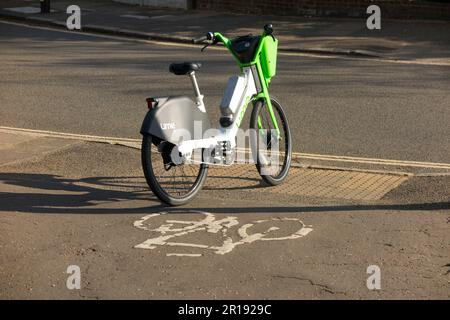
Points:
x=447, y=266
x=321, y=286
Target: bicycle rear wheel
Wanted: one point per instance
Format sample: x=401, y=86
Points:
x=271, y=150
x=173, y=184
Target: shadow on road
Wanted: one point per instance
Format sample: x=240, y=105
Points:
x=337, y=208
x=46, y=193
x=54, y=194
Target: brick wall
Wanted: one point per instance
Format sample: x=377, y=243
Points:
x=405, y=9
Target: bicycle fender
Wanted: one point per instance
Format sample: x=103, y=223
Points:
x=176, y=119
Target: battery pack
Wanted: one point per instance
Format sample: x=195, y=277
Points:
x=234, y=93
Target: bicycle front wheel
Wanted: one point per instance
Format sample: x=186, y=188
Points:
x=173, y=184
x=271, y=148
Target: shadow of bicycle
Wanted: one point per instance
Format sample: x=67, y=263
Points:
x=46, y=193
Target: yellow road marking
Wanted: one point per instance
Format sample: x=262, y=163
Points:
x=322, y=157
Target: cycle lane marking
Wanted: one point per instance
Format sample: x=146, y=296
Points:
x=210, y=224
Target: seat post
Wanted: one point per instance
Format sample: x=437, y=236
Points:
x=198, y=95
x=194, y=83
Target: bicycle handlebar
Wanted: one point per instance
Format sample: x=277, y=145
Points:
x=208, y=36
x=199, y=40
x=217, y=37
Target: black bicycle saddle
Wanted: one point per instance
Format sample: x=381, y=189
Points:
x=184, y=67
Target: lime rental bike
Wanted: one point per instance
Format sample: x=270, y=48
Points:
x=177, y=144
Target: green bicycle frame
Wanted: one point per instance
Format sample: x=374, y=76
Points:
x=264, y=94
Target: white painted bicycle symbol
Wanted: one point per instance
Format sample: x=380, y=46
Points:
x=177, y=229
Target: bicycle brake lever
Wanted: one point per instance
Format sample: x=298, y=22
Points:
x=206, y=46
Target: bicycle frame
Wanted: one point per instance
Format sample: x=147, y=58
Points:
x=264, y=94
x=250, y=95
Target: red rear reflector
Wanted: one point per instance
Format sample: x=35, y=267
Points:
x=151, y=103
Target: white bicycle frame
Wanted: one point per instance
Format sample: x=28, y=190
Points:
x=241, y=95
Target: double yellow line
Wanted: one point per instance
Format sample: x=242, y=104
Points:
x=296, y=155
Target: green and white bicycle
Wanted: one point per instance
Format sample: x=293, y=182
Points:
x=178, y=142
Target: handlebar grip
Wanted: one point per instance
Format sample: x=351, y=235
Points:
x=268, y=29
x=208, y=36
x=199, y=40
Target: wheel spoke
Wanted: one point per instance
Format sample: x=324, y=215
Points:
x=264, y=139
x=179, y=180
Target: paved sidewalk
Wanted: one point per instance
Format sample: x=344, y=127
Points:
x=420, y=41
x=19, y=146
x=16, y=147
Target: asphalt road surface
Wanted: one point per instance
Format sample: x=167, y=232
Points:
x=87, y=205
x=68, y=82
